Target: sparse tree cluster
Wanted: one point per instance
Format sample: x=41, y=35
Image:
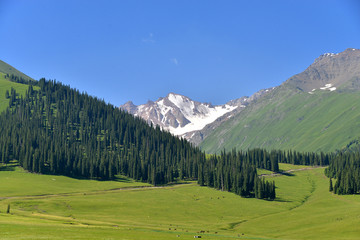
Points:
x=264, y=189
x=18, y=79
x=236, y=172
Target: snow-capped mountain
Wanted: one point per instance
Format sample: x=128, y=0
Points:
x=184, y=117
x=179, y=114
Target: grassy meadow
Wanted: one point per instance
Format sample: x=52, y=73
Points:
x=57, y=207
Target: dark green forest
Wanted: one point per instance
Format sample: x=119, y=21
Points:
x=54, y=129
x=345, y=168
x=57, y=130
x=236, y=172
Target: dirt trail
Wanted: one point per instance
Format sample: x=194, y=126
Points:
x=95, y=192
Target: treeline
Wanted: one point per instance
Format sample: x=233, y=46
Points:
x=236, y=172
x=54, y=129
x=58, y=130
x=345, y=168
x=19, y=79
x=304, y=158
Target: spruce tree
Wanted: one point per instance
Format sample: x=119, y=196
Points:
x=331, y=186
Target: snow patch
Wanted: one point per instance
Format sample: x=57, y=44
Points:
x=197, y=114
x=330, y=54
x=199, y=121
x=329, y=87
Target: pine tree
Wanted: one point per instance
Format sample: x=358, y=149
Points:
x=8, y=209
x=331, y=186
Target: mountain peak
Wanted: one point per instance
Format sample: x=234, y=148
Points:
x=178, y=114
x=347, y=52
x=340, y=70
x=325, y=55
x=129, y=106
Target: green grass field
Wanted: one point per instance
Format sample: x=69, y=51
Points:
x=57, y=207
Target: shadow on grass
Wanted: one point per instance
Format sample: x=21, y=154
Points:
x=281, y=200
x=9, y=167
x=288, y=174
x=122, y=179
x=285, y=173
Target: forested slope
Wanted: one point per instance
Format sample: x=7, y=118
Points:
x=58, y=130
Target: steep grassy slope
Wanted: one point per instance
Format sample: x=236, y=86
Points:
x=98, y=210
x=8, y=69
x=7, y=85
x=291, y=119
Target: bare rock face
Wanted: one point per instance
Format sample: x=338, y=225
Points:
x=196, y=137
x=330, y=71
x=195, y=121
x=130, y=107
x=187, y=118
x=179, y=114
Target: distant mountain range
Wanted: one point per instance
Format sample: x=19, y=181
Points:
x=315, y=110
x=185, y=117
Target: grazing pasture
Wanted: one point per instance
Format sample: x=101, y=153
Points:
x=57, y=207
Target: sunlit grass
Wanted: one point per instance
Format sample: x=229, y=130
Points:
x=304, y=209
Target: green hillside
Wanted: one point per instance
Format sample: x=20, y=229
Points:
x=8, y=69
x=57, y=207
x=6, y=85
x=291, y=119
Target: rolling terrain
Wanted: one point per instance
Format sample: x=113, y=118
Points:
x=42, y=206
x=65, y=208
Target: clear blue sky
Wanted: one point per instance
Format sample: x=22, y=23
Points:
x=139, y=50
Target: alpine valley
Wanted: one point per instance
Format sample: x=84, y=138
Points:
x=283, y=163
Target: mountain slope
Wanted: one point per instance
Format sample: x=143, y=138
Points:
x=187, y=118
x=6, y=84
x=179, y=114
x=70, y=133
x=197, y=137
x=316, y=110
x=8, y=69
x=341, y=70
